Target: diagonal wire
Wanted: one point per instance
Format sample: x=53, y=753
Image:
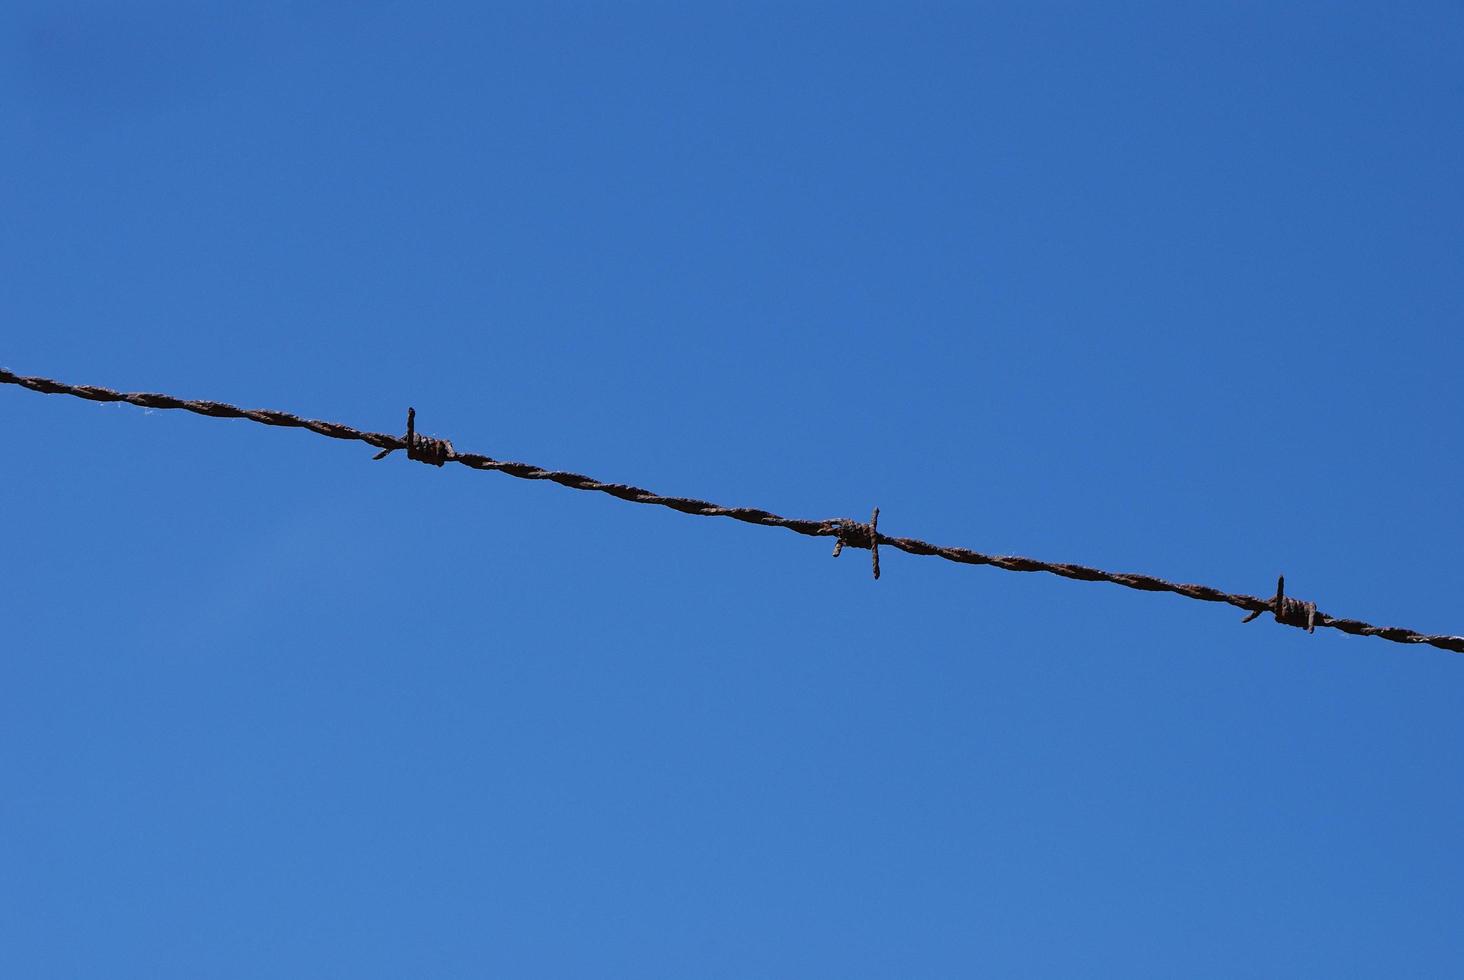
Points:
x=1287, y=611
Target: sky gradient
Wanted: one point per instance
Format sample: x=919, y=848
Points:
x=1154, y=287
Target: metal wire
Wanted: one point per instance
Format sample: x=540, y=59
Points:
x=1286, y=610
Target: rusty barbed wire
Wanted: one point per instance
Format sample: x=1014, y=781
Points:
x=1286, y=610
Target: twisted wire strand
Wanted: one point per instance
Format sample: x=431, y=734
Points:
x=851, y=533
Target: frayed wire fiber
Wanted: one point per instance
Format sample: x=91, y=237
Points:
x=1286, y=610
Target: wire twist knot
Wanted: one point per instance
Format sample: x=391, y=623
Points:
x=857, y=535
x=424, y=449
x=1289, y=611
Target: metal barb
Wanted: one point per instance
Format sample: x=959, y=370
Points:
x=858, y=535
x=1288, y=611
x=874, y=542
x=424, y=449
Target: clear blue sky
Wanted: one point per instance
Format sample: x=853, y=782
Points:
x=1173, y=288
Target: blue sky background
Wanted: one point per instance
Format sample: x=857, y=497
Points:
x=1173, y=288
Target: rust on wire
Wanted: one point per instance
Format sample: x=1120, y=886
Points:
x=1288, y=611
x=424, y=449
x=857, y=535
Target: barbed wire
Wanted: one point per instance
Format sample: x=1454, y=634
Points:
x=846, y=531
